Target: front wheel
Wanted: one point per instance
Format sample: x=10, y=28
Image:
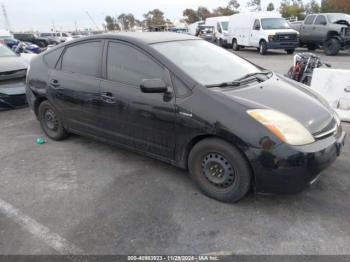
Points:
x=235, y=45
x=262, y=48
x=219, y=170
x=332, y=47
x=50, y=122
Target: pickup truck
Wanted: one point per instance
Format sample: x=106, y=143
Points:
x=330, y=31
x=32, y=38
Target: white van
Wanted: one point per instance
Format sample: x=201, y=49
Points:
x=193, y=28
x=263, y=30
x=220, y=25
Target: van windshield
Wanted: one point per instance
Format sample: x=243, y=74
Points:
x=274, y=23
x=224, y=26
x=206, y=63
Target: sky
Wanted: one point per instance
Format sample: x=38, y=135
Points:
x=42, y=15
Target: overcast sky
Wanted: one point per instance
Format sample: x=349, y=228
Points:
x=41, y=14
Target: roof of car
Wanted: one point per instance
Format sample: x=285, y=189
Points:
x=147, y=37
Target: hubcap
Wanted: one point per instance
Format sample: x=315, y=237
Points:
x=51, y=120
x=217, y=170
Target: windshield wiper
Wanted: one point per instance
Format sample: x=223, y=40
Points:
x=260, y=76
x=225, y=84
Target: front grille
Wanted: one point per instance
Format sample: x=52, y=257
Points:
x=286, y=37
x=346, y=31
x=13, y=74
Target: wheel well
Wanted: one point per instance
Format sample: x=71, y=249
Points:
x=37, y=103
x=262, y=40
x=332, y=34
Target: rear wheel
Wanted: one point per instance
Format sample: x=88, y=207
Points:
x=219, y=170
x=262, y=48
x=235, y=45
x=311, y=47
x=290, y=51
x=331, y=47
x=50, y=122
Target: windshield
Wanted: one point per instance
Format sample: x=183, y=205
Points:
x=224, y=26
x=206, y=63
x=336, y=17
x=274, y=23
x=6, y=52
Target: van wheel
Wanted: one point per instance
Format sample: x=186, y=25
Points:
x=290, y=51
x=50, y=122
x=262, y=48
x=311, y=47
x=331, y=47
x=219, y=170
x=235, y=45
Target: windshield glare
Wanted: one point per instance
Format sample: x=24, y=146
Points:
x=274, y=23
x=206, y=63
x=6, y=52
x=224, y=26
x=336, y=17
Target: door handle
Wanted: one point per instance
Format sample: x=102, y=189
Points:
x=108, y=97
x=55, y=84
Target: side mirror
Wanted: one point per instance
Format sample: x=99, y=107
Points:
x=153, y=86
x=257, y=28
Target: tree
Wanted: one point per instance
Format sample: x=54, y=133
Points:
x=270, y=7
x=111, y=23
x=190, y=15
x=154, y=18
x=255, y=4
x=312, y=7
x=230, y=9
x=292, y=8
x=233, y=5
x=203, y=13
x=127, y=21
x=330, y=6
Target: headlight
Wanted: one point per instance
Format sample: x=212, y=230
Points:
x=286, y=128
x=271, y=38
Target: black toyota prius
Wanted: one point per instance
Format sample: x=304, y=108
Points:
x=233, y=125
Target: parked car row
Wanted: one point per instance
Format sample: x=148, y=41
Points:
x=268, y=30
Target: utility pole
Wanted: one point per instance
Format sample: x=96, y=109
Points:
x=6, y=19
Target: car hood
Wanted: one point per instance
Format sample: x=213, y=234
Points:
x=12, y=63
x=288, y=97
x=281, y=31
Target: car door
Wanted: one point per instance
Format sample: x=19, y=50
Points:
x=74, y=84
x=139, y=120
x=255, y=34
x=320, y=32
x=307, y=29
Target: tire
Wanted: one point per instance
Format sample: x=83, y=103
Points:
x=311, y=47
x=232, y=175
x=235, y=46
x=290, y=51
x=331, y=47
x=50, y=122
x=262, y=48
x=221, y=43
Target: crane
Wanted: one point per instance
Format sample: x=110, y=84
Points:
x=92, y=20
x=6, y=19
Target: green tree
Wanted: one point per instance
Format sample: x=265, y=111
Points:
x=127, y=21
x=292, y=8
x=230, y=9
x=203, y=13
x=190, y=15
x=255, y=4
x=312, y=7
x=233, y=5
x=270, y=7
x=111, y=23
x=342, y=6
x=154, y=18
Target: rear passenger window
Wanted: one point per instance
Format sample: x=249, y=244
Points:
x=321, y=20
x=82, y=58
x=309, y=19
x=130, y=66
x=52, y=57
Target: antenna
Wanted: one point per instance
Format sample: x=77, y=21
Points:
x=6, y=19
x=92, y=20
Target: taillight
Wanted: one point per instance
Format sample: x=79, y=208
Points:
x=2, y=41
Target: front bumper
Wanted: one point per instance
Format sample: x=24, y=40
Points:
x=345, y=43
x=12, y=95
x=283, y=45
x=289, y=169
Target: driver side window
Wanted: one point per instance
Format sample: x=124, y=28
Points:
x=218, y=26
x=256, y=25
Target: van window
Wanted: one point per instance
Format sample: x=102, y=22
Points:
x=82, y=58
x=309, y=19
x=274, y=23
x=256, y=25
x=224, y=26
x=218, y=26
x=321, y=20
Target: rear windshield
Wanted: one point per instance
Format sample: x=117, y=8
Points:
x=274, y=23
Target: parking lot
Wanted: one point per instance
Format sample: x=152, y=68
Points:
x=86, y=197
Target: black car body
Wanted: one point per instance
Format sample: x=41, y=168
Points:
x=12, y=79
x=177, y=117
x=33, y=38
